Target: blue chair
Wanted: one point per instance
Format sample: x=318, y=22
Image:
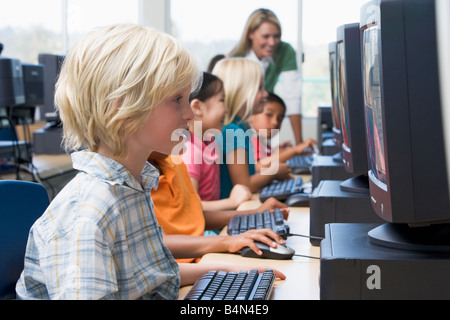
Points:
x=21, y=204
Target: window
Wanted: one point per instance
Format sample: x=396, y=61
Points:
x=210, y=27
x=29, y=27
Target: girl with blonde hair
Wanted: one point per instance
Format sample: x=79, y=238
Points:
x=244, y=96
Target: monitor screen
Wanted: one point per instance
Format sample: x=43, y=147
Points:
x=334, y=94
x=374, y=112
x=342, y=90
x=443, y=30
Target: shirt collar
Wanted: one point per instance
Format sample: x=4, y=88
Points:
x=113, y=172
x=264, y=62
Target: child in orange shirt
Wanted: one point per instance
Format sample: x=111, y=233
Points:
x=179, y=212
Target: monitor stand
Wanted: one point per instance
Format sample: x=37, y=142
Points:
x=328, y=168
x=330, y=203
x=355, y=267
x=358, y=184
x=401, y=236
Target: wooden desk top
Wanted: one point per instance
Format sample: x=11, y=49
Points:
x=302, y=282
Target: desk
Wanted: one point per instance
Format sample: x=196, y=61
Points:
x=302, y=282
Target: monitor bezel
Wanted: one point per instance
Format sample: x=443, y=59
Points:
x=398, y=200
x=355, y=158
x=337, y=133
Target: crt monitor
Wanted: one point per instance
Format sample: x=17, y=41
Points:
x=351, y=107
x=11, y=82
x=52, y=66
x=33, y=86
x=443, y=31
x=408, y=173
x=334, y=95
x=33, y=80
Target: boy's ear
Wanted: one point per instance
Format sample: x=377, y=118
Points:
x=196, y=106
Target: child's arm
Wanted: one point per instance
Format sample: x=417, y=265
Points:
x=239, y=172
x=186, y=246
x=284, y=154
x=239, y=194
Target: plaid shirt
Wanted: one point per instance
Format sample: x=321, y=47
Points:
x=99, y=239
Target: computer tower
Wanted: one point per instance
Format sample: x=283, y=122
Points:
x=330, y=204
x=353, y=268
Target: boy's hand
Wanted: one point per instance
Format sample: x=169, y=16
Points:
x=247, y=239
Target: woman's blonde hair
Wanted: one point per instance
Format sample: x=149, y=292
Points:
x=255, y=20
x=111, y=81
x=242, y=79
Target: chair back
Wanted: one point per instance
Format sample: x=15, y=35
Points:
x=21, y=204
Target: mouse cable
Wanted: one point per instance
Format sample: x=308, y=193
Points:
x=304, y=236
x=304, y=256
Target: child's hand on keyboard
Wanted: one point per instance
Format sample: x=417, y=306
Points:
x=307, y=147
x=272, y=204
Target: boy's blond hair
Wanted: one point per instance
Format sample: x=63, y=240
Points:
x=113, y=78
x=242, y=79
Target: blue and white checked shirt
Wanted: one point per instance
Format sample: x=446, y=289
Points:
x=99, y=239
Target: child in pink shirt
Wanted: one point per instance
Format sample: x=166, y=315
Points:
x=202, y=154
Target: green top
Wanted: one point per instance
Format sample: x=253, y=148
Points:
x=285, y=59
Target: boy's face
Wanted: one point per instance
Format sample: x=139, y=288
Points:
x=269, y=119
x=170, y=115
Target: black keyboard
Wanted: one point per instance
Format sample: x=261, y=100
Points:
x=301, y=164
x=281, y=190
x=260, y=220
x=245, y=285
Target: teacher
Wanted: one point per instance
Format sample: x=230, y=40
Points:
x=261, y=41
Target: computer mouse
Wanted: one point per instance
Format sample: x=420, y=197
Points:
x=297, y=200
x=281, y=252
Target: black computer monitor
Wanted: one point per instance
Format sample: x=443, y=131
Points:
x=337, y=135
x=443, y=31
x=52, y=66
x=351, y=107
x=33, y=87
x=33, y=82
x=408, y=173
x=11, y=82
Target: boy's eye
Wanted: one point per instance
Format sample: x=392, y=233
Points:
x=177, y=99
